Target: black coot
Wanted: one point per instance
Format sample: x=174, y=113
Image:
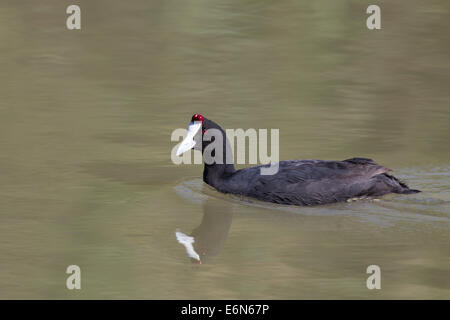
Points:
x=297, y=182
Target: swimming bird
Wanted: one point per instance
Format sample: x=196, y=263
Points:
x=297, y=182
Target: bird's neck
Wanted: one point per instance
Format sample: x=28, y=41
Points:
x=213, y=174
x=220, y=170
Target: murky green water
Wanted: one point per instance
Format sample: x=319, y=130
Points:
x=85, y=124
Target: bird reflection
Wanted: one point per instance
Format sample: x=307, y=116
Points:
x=208, y=239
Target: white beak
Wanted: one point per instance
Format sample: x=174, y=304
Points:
x=188, y=143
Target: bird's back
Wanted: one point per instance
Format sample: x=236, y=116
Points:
x=312, y=182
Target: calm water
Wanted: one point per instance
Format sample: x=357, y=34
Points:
x=85, y=124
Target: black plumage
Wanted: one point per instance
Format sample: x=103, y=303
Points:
x=302, y=182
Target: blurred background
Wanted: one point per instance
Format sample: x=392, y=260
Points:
x=85, y=123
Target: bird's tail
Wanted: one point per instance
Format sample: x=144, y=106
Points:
x=400, y=186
